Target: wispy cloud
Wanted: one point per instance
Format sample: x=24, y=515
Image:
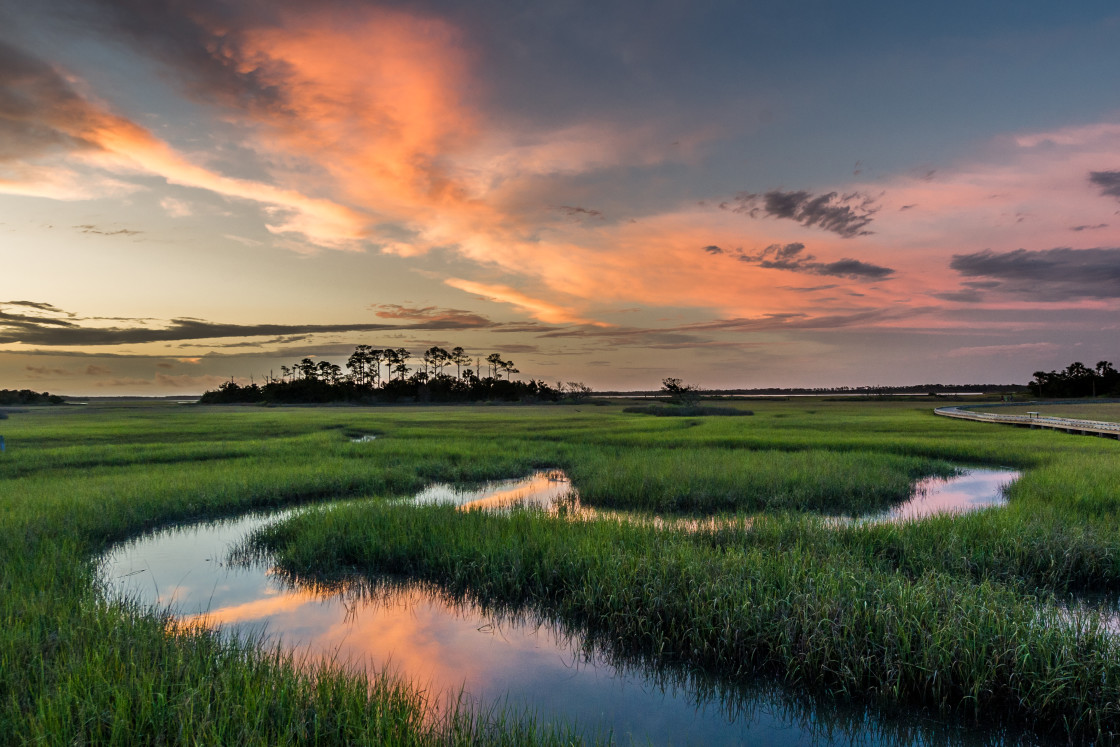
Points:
x=792, y=257
x=68, y=330
x=46, y=371
x=580, y=212
x=846, y=215
x=176, y=208
x=431, y=315
x=964, y=295
x=98, y=230
x=38, y=306
x=1017, y=350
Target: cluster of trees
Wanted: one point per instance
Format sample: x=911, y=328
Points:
x=365, y=366
x=680, y=393
x=376, y=375
x=1077, y=380
x=28, y=397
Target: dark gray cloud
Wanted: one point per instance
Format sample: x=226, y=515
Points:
x=852, y=268
x=964, y=295
x=89, y=228
x=845, y=215
x=39, y=305
x=1108, y=181
x=1089, y=228
x=713, y=249
x=580, y=212
x=39, y=111
x=810, y=289
x=11, y=319
x=431, y=315
x=43, y=371
x=1046, y=275
x=56, y=330
x=792, y=257
x=282, y=340
x=201, y=40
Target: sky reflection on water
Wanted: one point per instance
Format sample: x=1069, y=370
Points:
x=447, y=644
x=969, y=491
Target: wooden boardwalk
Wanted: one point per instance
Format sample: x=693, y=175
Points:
x=1034, y=420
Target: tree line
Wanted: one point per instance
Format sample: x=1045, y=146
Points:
x=28, y=397
x=1077, y=380
x=384, y=374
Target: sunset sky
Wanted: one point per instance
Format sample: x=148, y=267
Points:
x=740, y=194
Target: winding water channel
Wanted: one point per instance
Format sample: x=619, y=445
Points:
x=531, y=665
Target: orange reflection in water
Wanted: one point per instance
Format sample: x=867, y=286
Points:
x=541, y=490
x=411, y=629
x=258, y=609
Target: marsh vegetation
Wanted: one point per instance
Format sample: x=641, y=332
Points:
x=954, y=617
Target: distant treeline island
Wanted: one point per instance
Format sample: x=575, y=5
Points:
x=378, y=375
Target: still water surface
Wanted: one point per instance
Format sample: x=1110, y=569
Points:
x=449, y=645
x=971, y=490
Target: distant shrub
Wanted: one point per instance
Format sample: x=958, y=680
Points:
x=685, y=410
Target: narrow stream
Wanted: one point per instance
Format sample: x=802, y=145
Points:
x=532, y=665
x=971, y=490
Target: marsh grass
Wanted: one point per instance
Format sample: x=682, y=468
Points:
x=689, y=479
x=686, y=411
x=825, y=620
x=943, y=612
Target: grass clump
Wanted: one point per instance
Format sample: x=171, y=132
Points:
x=710, y=480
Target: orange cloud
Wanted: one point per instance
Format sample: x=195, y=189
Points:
x=130, y=147
x=535, y=307
x=371, y=101
x=60, y=128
